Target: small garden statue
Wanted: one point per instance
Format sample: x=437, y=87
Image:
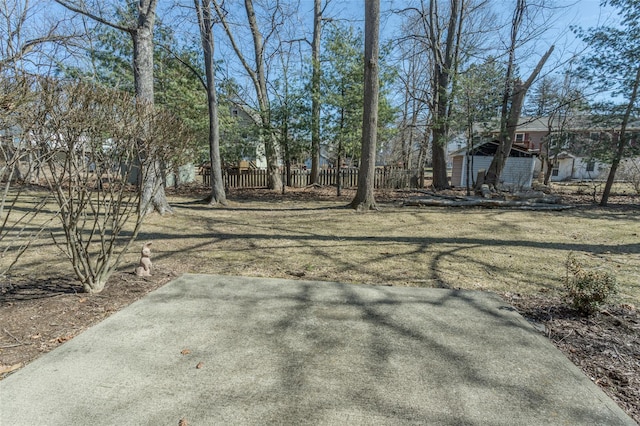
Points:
x=144, y=267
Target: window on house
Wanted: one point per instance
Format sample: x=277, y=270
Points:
x=555, y=171
x=234, y=112
x=519, y=137
x=591, y=166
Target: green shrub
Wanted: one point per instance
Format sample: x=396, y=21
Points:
x=588, y=289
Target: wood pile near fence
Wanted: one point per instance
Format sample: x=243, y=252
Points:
x=385, y=177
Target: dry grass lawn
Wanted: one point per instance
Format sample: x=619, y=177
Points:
x=316, y=238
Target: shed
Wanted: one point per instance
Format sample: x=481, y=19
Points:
x=563, y=166
x=518, y=169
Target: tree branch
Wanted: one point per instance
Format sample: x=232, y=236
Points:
x=95, y=17
x=234, y=45
x=185, y=63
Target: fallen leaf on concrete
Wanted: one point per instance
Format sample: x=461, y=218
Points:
x=200, y=365
x=185, y=352
x=183, y=422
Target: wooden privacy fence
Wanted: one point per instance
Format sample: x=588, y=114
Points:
x=385, y=177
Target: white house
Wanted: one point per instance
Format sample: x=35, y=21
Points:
x=567, y=166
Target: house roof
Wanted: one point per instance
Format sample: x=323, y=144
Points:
x=542, y=124
x=489, y=148
x=565, y=154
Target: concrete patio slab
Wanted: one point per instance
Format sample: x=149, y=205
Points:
x=220, y=350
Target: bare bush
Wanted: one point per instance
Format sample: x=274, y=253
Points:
x=89, y=140
x=630, y=172
x=17, y=229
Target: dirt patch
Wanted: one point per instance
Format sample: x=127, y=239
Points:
x=36, y=316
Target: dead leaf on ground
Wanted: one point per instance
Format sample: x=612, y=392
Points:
x=60, y=339
x=200, y=365
x=185, y=352
x=9, y=368
x=183, y=422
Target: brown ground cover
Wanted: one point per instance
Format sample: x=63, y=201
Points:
x=42, y=306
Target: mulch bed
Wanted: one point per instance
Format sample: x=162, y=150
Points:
x=38, y=315
x=606, y=345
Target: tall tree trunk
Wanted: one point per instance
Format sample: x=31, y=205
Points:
x=284, y=137
x=152, y=186
x=509, y=127
x=545, y=152
x=152, y=191
x=364, y=199
x=270, y=145
x=151, y=171
x=512, y=99
x=340, y=152
x=445, y=63
x=205, y=23
x=622, y=140
x=422, y=158
x=315, y=92
x=259, y=79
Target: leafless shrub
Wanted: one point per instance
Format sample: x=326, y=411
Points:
x=89, y=138
x=630, y=171
x=17, y=224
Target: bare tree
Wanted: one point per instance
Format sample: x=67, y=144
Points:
x=364, y=198
x=141, y=32
x=86, y=135
x=203, y=11
x=445, y=61
x=24, y=36
x=612, y=66
x=18, y=226
x=441, y=36
x=257, y=73
x=315, y=90
x=560, y=101
x=513, y=95
x=414, y=77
